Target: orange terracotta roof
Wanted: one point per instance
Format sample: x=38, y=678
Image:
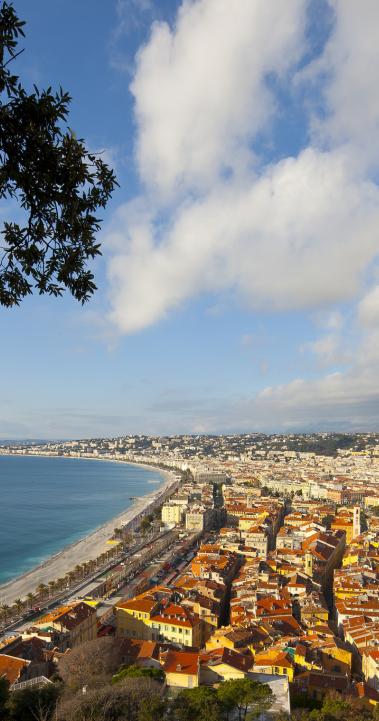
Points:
x=11, y=667
x=184, y=662
x=227, y=656
x=143, y=605
x=272, y=658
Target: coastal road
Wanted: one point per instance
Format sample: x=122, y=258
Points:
x=68, y=595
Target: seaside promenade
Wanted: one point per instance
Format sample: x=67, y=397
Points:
x=87, y=548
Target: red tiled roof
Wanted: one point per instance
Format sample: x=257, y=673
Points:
x=185, y=662
x=11, y=668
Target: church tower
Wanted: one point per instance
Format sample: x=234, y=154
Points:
x=356, y=521
x=309, y=564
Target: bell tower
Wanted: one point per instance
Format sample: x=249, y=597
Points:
x=356, y=521
x=309, y=564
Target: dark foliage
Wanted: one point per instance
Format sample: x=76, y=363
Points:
x=55, y=183
x=31, y=703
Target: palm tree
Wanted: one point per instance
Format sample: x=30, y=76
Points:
x=5, y=611
x=77, y=569
x=19, y=604
x=13, y=610
x=71, y=576
x=52, y=587
x=30, y=598
x=86, y=568
x=41, y=590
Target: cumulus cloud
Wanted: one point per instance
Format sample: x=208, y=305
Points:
x=200, y=90
x=284, y=241
x=347, y=69
x=294, y=233
x=281, y=237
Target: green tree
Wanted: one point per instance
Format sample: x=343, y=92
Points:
x=338, y=708
x=250, y=697
x=58, y=185
x=152, y=709
x=4, y=695
x=32, y=703
x=138, y=672
x=197, y=704
x=5, y=610
x=19, y=603
x=31, y=598
x=42, y=590
x=145, y=524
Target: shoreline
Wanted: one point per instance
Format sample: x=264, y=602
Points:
x=84, y=549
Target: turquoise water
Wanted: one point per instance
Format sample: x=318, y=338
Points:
x=47, y=503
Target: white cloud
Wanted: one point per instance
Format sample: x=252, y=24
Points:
x=325, y=346
x=340, y=400
x=368, y=308
x=286, y=240
x=349, y=65
x=200, y=90
x=347, y=401
x=299, y=233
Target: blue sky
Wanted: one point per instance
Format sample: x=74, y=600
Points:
x=238, y=287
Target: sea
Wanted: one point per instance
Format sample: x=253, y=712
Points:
x=47, y=503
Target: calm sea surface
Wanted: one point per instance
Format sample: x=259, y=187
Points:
x=47, y=503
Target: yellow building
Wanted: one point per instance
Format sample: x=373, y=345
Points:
x=350, y=556
x=349, y=521
x=171, y=513
x=246, y=522
x=238, y=639
x=223, y=664
x=370, y=666
x=148, y=618
x=274, y=662
x=330, y=656
x=181, y=668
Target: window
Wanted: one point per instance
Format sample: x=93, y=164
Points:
x=173, y=628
